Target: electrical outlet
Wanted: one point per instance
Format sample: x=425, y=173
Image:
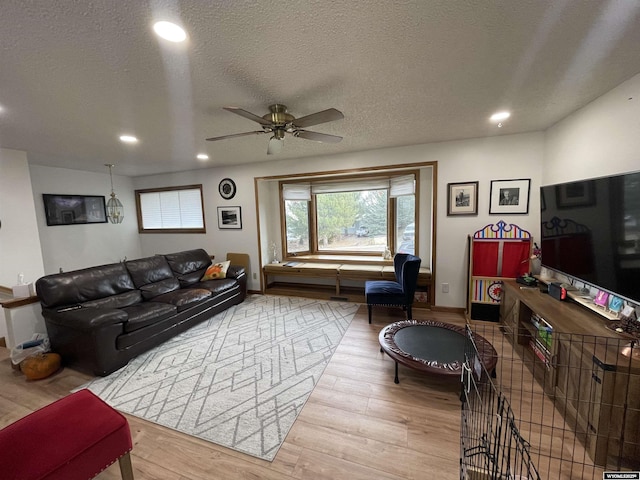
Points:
x=445, y=288
x=255, y=276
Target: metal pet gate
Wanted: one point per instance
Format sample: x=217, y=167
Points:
x=548, y=411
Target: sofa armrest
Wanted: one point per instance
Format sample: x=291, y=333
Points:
x=86, y=337
x=235, y=271
x=84, y=318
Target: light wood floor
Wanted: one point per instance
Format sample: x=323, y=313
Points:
x=357, y=424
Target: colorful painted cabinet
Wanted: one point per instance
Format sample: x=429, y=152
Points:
x=496, y=252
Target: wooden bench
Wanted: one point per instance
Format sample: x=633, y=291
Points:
x=335, y=281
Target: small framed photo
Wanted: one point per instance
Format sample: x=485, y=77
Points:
x=229, y=217
x=510, y=197
x=576, y=194
x=462, y=198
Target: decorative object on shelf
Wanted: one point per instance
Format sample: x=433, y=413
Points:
x=510, y=196
x=615, y=304
x=115, y=210
x=387, y=253
x=229, y=218
x=601, y=299
x=462, y=198
x=274, y=252
x=535, y=260
x=227, y=188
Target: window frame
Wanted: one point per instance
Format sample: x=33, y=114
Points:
x=138, y=193
x=394, y=242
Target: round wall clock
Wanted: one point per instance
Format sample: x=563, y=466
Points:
x=227, y=188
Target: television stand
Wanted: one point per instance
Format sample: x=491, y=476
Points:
x=581, y=365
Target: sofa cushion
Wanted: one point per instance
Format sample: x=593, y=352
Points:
x=116, y=301
x=216, y=270
x=183, y=299
x=146, y=313
x=149, y=270
x=188, y=261
x=79, y=286
x=217, y=286
x=190, y=279
x=152, y=290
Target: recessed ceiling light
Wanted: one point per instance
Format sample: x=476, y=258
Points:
x=169, y=31
x=128, y=139
x=500, y=116
x=202, y=156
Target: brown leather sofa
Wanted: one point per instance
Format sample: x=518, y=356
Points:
x=99, y=318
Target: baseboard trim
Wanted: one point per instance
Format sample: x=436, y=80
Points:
x=436, y=308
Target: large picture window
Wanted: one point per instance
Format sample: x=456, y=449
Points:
x=171, y=210
x=360, y=216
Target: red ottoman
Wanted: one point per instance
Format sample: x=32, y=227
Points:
x=73, y=438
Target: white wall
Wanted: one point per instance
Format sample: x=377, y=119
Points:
x=496, y=158
x=19, y=241
x=79, y=246
x=600, y=139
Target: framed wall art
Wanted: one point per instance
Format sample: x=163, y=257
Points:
x=510, y=197
x=229, y=218
x=462, y=198
x=74, y=209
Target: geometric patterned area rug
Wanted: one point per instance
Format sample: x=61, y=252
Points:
x=239, y=379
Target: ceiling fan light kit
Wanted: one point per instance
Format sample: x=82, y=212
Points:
x=278, y=122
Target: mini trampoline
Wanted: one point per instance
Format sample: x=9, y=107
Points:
x=432, y=347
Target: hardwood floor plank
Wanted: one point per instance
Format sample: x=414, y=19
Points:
x=329, y=397
x=319, y=466
x=354, y=424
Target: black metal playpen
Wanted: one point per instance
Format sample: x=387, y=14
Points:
x=556, y=407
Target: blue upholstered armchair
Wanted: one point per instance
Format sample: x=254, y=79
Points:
x=398, y=293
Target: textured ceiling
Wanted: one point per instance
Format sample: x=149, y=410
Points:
x=75, y=75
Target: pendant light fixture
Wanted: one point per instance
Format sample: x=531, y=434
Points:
x=115, y=210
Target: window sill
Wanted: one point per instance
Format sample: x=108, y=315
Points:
x=349, y=259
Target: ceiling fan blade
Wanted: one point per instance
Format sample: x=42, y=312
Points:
x=318, y=137
x=275, y=146
x=249, y=115
x=324, y=116
x=257, y=132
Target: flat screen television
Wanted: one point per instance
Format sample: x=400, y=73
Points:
x=590, y=230
x=74, y=209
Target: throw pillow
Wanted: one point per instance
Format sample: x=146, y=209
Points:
x=216, y=270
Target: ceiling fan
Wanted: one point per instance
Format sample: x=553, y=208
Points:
x=278, y=122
